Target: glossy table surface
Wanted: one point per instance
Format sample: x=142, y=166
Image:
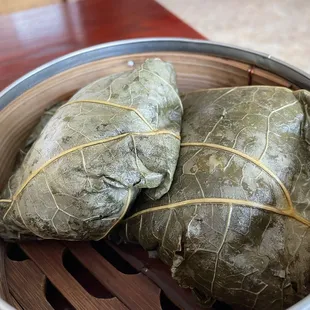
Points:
x=31, y=38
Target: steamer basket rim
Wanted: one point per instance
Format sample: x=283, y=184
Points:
x=144, y=45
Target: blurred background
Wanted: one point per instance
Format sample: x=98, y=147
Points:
x=33, y=32
x=276, y=27
x=10, y=6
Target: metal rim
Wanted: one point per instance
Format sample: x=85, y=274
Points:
x=304, y=304
x=126, y=47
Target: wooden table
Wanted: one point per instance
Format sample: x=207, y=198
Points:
x=31, y=38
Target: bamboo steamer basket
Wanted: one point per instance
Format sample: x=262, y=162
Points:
x=99, y=275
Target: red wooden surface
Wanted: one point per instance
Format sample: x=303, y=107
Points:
x=30, y=38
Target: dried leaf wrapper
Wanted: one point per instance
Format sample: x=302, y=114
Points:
x=235, y=223
x=113, y=138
